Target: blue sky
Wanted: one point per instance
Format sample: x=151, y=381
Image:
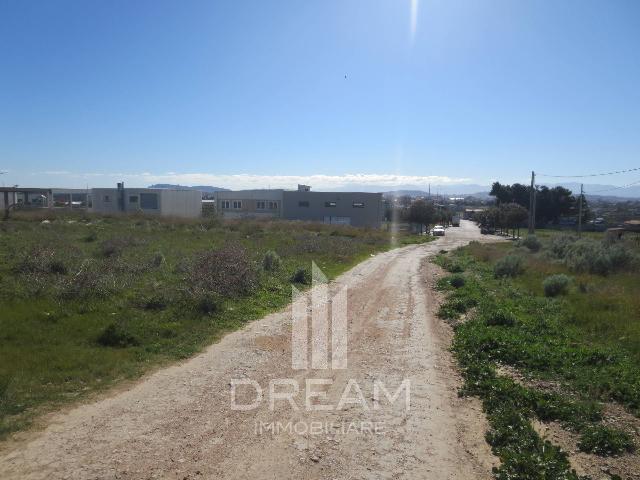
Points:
x=253, y=93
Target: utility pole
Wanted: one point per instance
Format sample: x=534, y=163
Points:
x=532, y=204
x=580, y=210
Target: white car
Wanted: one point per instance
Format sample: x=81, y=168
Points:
x=438, y=231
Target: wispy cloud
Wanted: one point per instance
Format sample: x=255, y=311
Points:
x=414, y=19
x=247, y=181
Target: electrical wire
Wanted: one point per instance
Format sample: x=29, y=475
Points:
x=614, y=188
x=589, y=175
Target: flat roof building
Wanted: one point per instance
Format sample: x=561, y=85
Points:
x=346, y=208
x=158, y=201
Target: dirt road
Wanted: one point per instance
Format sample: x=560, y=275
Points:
x=180, y=423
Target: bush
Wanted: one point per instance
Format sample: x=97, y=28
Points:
x=555, y=285
x=115, y=336
x=509, y=266
x=560, y=243
x=271, y=261
x=532, y=243
x=587, y=255
x=603, y=440
x=301, y=275
x=207, y=304
x=92, y=236
x=93, y=279
x=457, y=281
x=226, y=272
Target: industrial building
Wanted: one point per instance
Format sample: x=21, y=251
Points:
x=160, y=201
x=249, y=203
x=346, y=208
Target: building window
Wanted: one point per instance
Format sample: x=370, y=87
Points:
x=149, y=201
x=133, y=199
x=303, y=204
x=237, y=204
x=226, y=204
x=273, y=205
x=330, y=204
x=358, y=205
x=107, y=198
x=261, y=205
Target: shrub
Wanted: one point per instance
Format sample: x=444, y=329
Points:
x=532, y=243
x=501, y=317
x=560, y=243
x=271, y=261
x=555, y=285
x=227, y=272
x=457, y=281
x=206, y=304
x=509, y=266
x=603, y=440
x=301, y=275
x=93, y=279
x=587, y=255
x=115, y=336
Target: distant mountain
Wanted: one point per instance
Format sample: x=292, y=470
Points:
x=452, y=190
x=202, y=188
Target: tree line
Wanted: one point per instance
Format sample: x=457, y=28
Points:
x=551, y=203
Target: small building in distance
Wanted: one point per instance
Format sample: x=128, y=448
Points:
x=158, y=201
x=345, y=208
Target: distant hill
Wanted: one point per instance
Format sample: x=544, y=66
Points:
x=202, y=188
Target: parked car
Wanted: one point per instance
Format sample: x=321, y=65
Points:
x=438, y=231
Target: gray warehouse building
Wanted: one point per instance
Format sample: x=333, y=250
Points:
x=160, y=201
x=346, y=208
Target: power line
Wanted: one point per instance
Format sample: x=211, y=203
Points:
x=615, y=188
x=589, y=175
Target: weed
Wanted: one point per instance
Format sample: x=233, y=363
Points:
x=603, y=440
x=500, y=317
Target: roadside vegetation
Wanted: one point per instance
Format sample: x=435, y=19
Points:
x=87, y=301
x=548, y=329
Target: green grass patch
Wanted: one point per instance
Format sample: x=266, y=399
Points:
x=545, y=338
